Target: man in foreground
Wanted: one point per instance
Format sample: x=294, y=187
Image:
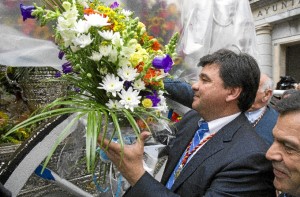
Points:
x=216, y=151
x=285, y=151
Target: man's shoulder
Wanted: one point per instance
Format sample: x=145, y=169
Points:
x=271, y=113
x=271, y=109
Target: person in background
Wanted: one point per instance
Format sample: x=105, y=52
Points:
x=216, y=152
x=261, y=115
x=285, y=150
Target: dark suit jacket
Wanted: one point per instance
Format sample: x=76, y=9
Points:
x=232, y=163
x=265, y=126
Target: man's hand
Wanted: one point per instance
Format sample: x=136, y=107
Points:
x=129, y=160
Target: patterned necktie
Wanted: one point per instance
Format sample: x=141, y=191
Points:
x=192, y=147
x=199, y=134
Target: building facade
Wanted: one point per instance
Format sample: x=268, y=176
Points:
x=277, y=25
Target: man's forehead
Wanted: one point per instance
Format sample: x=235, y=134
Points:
x=288, y=125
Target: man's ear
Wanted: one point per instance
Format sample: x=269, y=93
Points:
x=233, y=93
x=268, y=94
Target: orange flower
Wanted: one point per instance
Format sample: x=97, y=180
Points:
x=140, y=67
x=148, y=78
x=156, y=45
x=89, y=11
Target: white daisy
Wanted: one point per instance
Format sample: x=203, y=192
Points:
x=82, y=26
x=127, y=73
x=96, y=56
x=130, y=98
x=105, y=50
x=139, y=85
x=96, y=20
x=114, y=104
x=111, y=84
x=83, y=40
x=117, y=40
x=107, y=35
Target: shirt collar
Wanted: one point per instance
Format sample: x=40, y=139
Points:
x=215, y=125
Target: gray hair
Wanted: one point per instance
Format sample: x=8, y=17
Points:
x=269, y=84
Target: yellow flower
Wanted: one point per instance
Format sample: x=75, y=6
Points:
x=147, y=103
x=141, y=55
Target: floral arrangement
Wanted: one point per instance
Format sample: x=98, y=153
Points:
x=114, y=67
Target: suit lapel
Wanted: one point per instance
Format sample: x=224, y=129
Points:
x=178, y=147
x=213, y=146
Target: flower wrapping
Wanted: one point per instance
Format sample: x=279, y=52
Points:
x=114, y=68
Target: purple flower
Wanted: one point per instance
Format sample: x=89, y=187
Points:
x=57, y=74
x=154, y=98
x=114, y=5
x=61, y=54
x=67, y=67
x=26, y=11
x=127, y=84
x=163, y=62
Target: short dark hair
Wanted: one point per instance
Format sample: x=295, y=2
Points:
x=236, y=70
x=289, y=104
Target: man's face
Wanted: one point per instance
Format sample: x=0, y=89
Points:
x=209, y=92
x=285, y=153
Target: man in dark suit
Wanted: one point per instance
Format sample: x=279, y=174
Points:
x=285, y=151
x=261, y=115
x=230, y=158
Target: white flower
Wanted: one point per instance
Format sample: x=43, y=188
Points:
x=127, y=13
x=127, y=73
x=113, y=56
x=74, y=48
x=68, y=37
x=111, y=84
x=130, y=98
x=107, y=35
x=84, y=3
x=139, y=85
x=117, y=40
x=97, y=20
x=124, y=61
x=114, y=104
x=96, y=56
x=83, y=40
x=105, y=50
x=162, y=103
x=82, y=26
x=126, y=51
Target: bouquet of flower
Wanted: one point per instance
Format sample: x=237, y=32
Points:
x=114, y=67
